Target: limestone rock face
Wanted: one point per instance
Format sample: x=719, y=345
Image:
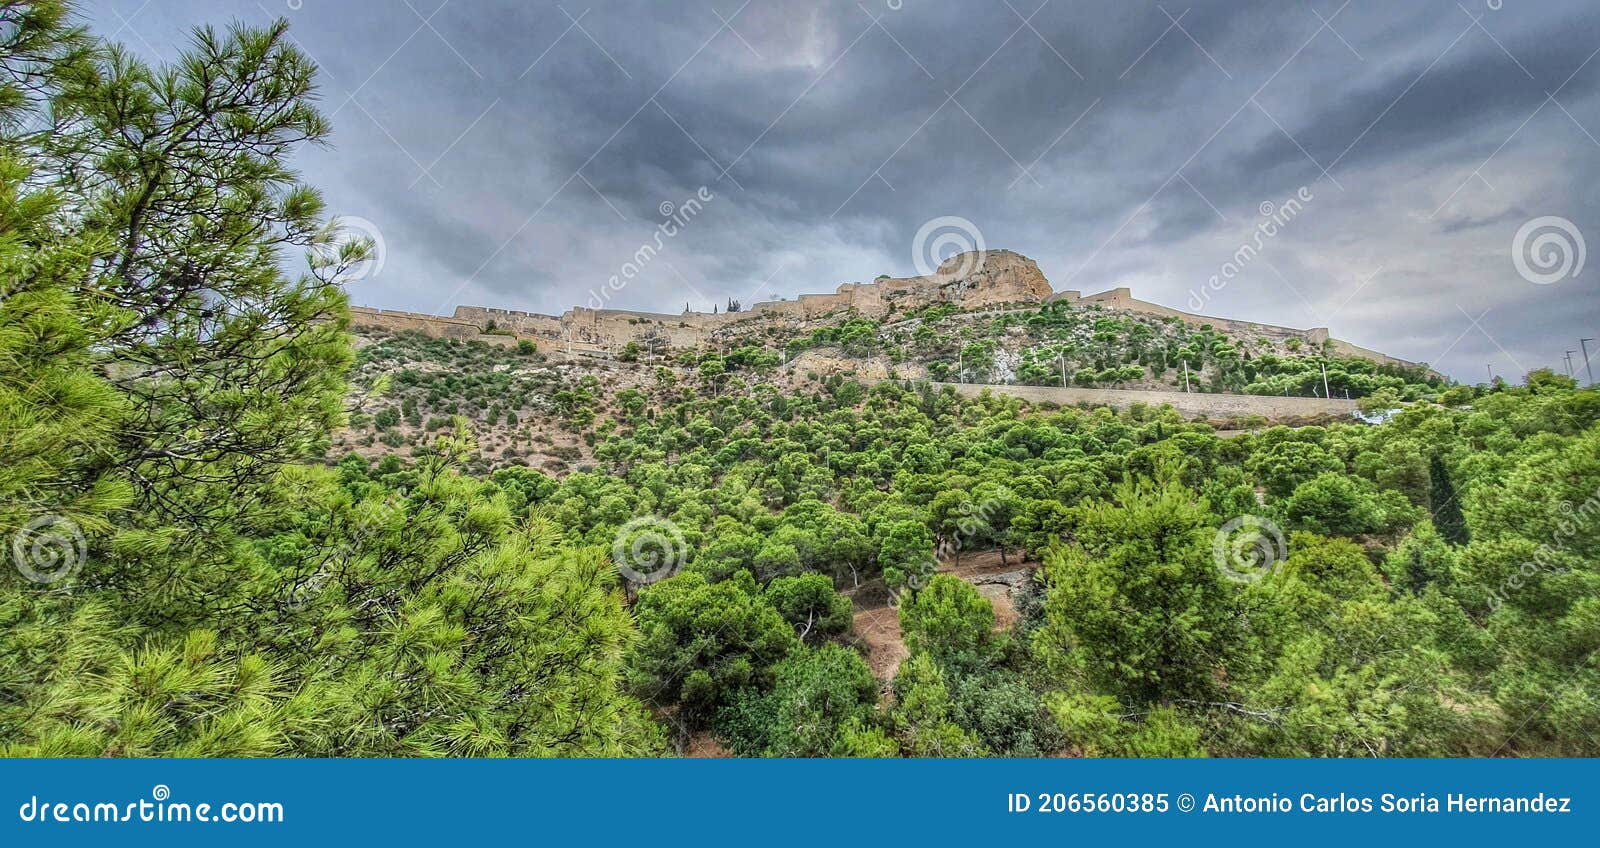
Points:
x=973, y=280
x=1000, y=276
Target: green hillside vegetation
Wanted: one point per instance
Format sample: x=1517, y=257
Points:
x=169, y=401
x=1101, y=348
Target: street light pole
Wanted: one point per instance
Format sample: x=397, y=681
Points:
x=1584, y=343
x=1569, y=362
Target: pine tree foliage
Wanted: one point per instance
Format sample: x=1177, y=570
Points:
x=164, y=385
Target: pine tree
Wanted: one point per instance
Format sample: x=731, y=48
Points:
x=161, y=385
x=57, y=415
x=1139, y=600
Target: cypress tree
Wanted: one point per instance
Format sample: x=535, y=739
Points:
x=1447, y=517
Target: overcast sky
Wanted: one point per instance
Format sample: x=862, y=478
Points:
x=517, y=154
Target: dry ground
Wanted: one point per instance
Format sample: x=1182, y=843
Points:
x=877, y=621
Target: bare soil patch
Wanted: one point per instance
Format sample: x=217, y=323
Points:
x=879, y=629
x=704, y=746
x=877, y=623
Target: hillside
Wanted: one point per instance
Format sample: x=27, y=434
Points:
x=910, y=540
x=984, y=317
x=810, y=481
x=532, y=385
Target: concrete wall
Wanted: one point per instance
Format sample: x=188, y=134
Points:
x=1188, y=405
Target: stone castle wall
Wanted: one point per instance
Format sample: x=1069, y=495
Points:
x=363, y=317
x=972, y=281
x=1122, y=298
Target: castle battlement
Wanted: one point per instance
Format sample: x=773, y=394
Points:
x=973, y=281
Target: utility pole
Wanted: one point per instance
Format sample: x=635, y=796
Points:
x=1589, y=369
x=1569, y=362
x=1490, y=367
x=1325, y=392
x=1063, y=369
x=961, y=366
x=1186, y=376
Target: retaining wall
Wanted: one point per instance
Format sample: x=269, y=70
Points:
x=1189, y=405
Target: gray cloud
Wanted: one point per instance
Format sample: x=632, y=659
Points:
x=512, y=157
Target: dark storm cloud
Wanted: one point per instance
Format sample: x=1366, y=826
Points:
x=519, y=154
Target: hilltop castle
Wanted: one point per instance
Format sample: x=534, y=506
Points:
x=992, y=279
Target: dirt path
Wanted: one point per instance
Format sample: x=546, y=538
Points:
x=877, y=620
